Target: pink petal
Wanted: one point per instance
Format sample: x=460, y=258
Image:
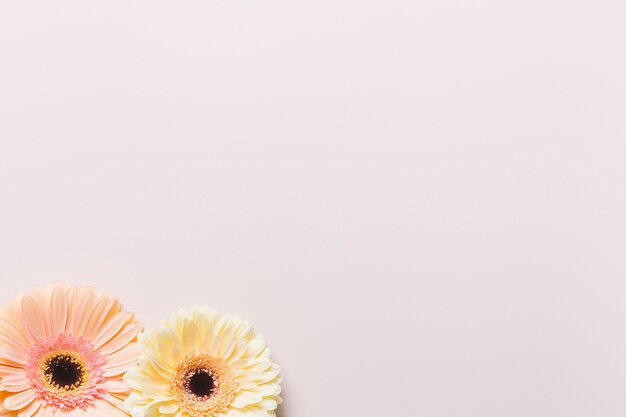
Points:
x=48, y=411
x=117, y=385
x=11, y=335
x=123, y=338
x=111, y=328
x=83, y=312
x=114, y=401
x=59, y=311
x=34, y=317
x=15, y=382
x=73, y=302
x=10, y=356
x=30, y=410
x=20, y=400
x=127, y=356
x=108, y=309
x=42, y=297
x=106, y=409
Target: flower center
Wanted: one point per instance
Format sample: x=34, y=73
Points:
x=64, y=371
x=201, y=383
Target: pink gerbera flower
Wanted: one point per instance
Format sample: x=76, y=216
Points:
x=63, y=352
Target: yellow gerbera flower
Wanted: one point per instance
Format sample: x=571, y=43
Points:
x=203, y=364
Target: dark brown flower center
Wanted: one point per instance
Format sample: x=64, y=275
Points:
x=201, y=383
x=64, y=372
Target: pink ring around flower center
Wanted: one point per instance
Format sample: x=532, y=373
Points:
x=62, y=351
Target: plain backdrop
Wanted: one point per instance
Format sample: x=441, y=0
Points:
x=420, y=204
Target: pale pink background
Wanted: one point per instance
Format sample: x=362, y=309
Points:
x=420, y=204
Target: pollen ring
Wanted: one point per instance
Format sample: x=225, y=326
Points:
x=64, y=371
x=203, y=385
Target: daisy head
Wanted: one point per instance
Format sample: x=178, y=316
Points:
x=203, y=364
x=63, y=352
